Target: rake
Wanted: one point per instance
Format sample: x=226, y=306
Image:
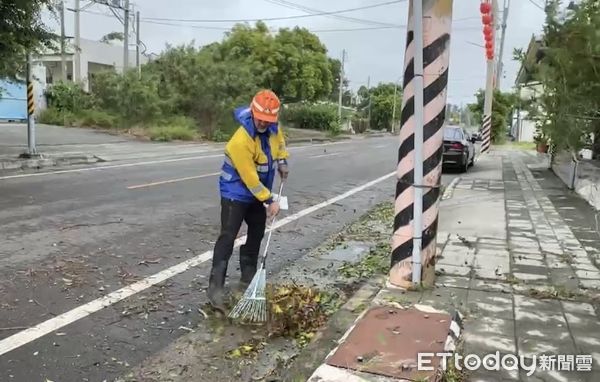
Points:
x=252, y=307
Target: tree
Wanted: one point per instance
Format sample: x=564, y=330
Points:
x=568, y=111
x=381, y=99
x=293, y=62
x=502, y=106
x=21, y=32
x=113, y=36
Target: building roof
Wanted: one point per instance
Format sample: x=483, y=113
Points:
x=534, y=54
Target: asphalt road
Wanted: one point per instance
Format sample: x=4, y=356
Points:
x=70, y=238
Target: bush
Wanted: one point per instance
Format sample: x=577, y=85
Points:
x=67, y=96
x=179, y=128
x=53, y=116
x=307, y=116
x=96, y=118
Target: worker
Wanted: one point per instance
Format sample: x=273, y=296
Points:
x=252, y=156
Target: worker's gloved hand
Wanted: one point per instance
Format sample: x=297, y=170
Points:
x=283, y=170
x=273, y=209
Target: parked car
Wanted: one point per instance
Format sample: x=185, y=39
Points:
x=459, y=149
x=476, y=137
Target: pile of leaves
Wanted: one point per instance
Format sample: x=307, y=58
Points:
x=296, y=311
x=375, y=263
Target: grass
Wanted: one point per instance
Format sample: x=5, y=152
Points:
x=170, y=133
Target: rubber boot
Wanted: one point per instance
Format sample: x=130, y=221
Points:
x=247, y=270
x=216, y=291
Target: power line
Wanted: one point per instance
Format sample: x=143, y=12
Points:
x=537, y=5
x=275, y=18
x=290, y=5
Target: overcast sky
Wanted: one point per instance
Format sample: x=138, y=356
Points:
x=377, y=53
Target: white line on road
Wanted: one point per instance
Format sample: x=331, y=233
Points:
x=110, y=166
x=159, y=161
x=323, y=155
x=29, y=335
x=172, y=181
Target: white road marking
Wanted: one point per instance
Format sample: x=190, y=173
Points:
x=323, y=155
x=29, y=335
x=172, y=181
x=158, y=161
x=110, y=166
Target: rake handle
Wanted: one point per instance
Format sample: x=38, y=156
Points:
x=265, y=251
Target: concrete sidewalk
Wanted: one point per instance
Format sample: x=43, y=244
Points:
x=517, y=269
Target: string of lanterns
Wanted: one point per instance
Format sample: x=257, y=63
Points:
x=488, y=32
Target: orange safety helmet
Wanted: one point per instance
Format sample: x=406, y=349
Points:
x=265, y=106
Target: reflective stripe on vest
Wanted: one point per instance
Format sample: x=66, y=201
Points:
x=226, y=175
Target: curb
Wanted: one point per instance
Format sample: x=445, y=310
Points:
x=14, y=165
x=449, y=191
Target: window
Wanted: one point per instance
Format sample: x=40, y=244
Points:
x=453, y=134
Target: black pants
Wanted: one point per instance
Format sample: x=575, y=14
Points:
x=233, y=213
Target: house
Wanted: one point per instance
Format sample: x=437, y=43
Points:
x=524, y=128
x=95, y=56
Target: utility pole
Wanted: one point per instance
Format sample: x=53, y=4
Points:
x=137, y=44
x=394, y=106
x=126, y=38
x=489, y=89
x=31, y=149
x=414, y=240
x=77, y=61
x=369, y=93
x=63, y=58
x=500, y=64
x=418, y=172
x=341, y=85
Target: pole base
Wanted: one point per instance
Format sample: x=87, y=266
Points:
x=30, y=156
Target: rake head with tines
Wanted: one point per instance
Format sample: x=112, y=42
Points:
x=252, y=307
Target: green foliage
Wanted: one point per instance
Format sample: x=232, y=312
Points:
x=502, y=107
x=67, y=96
x=205, y=84
x=131, y=99
x=381, y=100
x=54, y=116
x=95, y=118
x=176, y=128
x=21, y=31
x=568, y=111
x=312, y=116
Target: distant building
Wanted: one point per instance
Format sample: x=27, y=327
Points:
x=524, y=128
x=95, y=56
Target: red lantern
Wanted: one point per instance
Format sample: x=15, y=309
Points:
x=489, y=45
x=486, y=19
x=488, y=37
x=489, y=52
x=485, y=8
x=487, y=30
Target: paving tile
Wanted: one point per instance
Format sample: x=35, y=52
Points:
x=490, y=253
x=486, y=273
x=579, y=308
x=533, y=330
x=492, y=263
x=490, y=286
x=529, y=262
x=457, y=259
x=487, y=344
x=529, y=276
x=490, y=304
x=453, y=270
x=491, y=325
x=590, y=284
x=588, y=275
x=453, y=281
x=530, y=347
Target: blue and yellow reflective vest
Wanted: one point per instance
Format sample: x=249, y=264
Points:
x=251, y=160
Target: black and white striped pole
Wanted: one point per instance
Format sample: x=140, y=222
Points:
x=31, y=149
x=421, y=142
